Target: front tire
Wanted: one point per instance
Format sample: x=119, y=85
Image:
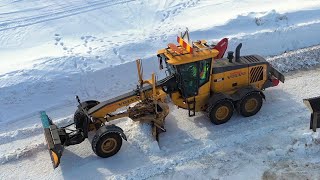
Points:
x=107, y=144
x=250, y=104
x=221, y=112
x=79, y=116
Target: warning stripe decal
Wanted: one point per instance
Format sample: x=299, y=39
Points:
x=184, y=44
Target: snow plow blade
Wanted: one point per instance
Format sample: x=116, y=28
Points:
x=51, y=133
x=314, y=106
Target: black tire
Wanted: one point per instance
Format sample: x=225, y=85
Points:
x=79, y=117
x=107, y=144
x=250, y=104
x=215, y=115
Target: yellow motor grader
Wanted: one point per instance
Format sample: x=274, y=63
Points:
x=198, y=79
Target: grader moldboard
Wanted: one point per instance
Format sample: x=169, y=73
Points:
x=198, y=79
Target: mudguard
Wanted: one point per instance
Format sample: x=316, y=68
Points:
x=111, y=129
x=218, y=97
x=245, y=91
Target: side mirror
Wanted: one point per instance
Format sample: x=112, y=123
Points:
x=160, y=62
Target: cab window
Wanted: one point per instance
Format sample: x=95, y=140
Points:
x=204, y=71
x=189, y=79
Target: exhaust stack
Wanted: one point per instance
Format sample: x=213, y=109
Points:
x=238, y=52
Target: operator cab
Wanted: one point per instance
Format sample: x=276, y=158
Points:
x=191, y=70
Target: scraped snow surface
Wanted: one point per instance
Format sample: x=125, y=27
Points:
x=51, y=51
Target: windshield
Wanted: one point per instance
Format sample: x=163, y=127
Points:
x=191, y=76
x=188, y=79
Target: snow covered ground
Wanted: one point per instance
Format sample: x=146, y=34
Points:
x=51, y=51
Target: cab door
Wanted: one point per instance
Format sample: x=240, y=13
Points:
x=189, y=79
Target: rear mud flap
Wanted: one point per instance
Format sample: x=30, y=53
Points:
x=51, y=133
x=314, y=106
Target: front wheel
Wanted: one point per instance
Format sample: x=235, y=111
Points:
x=221, y=112
x=107, y=144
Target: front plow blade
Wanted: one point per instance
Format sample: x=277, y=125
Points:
x=314, y=106
x=51, y=133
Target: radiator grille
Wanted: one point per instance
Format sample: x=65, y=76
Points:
x=251, y=59
x=256, y=74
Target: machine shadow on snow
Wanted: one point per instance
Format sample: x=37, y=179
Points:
x=175, y=137
x=75, y=162
x=275, y=105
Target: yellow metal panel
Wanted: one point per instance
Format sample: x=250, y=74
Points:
x=159, y=95
x=178, y=100
x=217, y=86
x=235, y=79
x=202, y=97
x=230, y=81
x=114, y=106
x=161, y=51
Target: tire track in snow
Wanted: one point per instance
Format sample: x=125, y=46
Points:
x=22, y=22
x=25, y=152
x=175, y=10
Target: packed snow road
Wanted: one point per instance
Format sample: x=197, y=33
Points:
x=53, y=50
x=278, y=137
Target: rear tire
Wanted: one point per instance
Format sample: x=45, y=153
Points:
x=107, y=144
x=250, y=104
x=221, y=112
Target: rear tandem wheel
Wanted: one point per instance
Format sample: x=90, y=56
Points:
x=250, y=104
x=221, y=112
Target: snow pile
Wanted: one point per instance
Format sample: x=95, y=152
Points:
x=301, y=160
x=20, y=134
x=301, y=59
x=140, y=136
